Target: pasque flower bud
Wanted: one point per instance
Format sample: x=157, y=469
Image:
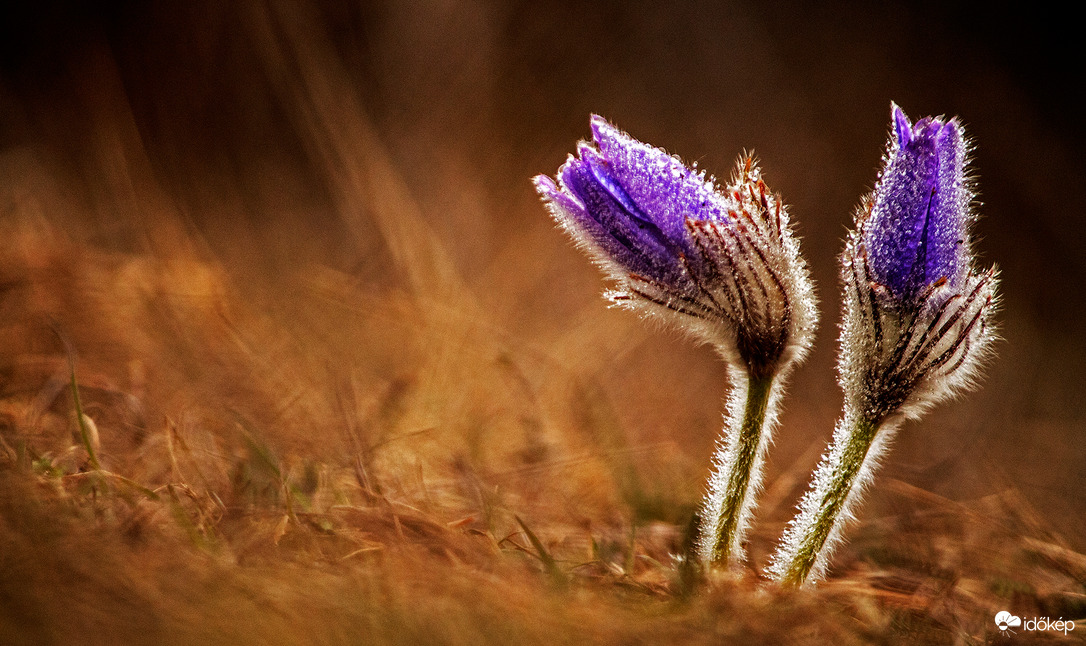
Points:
x=723, y=265
x=915, y=327
x=720, y=264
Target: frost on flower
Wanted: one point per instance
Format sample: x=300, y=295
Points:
x=721, y=264
x=916, y=324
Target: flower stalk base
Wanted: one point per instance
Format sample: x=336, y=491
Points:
x=738, y=466
x=816, y=532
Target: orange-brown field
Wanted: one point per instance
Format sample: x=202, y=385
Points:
x=343, y=382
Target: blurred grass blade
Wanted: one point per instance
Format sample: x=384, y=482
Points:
x=549, y=564
x=87, y=432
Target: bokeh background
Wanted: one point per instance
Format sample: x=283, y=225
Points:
x=356, y=177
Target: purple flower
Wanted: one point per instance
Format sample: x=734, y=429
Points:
x=915, y=234
x=916, y=326
x=724, y=265
x=917, y=315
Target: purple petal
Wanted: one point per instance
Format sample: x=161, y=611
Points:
x=658, y=183
x=632, y=201
x=917, y=228
x=594, y=205
x=903, y=128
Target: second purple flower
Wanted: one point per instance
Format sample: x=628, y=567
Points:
x=916, y=325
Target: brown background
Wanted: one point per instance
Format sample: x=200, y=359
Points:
x=471, y=99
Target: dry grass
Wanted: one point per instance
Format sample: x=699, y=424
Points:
x=253, y=490
x=341, y=425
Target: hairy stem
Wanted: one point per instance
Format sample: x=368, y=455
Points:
x=738, y=466
x=814, y=535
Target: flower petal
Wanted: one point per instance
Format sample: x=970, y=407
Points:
x=916, y=233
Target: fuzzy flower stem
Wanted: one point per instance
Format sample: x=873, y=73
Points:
x=723, y=528
x=818, y=528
